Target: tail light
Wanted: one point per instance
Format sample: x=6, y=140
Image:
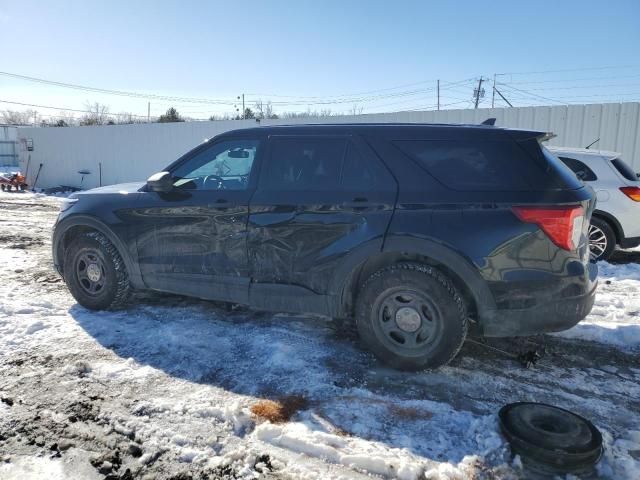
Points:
x=632, y=192
x=563, y=225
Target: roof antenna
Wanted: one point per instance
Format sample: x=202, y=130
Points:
x=489, y=121
x=591, y=144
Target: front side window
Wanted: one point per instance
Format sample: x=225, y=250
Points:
x=225, y=165
x=304, y=163
x=583, y=172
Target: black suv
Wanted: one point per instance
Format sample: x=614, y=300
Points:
x=415, y=231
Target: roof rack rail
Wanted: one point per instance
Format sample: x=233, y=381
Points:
x=489, y=121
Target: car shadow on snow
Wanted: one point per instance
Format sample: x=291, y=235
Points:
x=274, y=356
x=625, y=256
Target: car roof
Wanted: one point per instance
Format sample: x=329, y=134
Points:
x=584, y=151
x=450, y=129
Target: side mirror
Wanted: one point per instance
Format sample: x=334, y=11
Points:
x=160, y=182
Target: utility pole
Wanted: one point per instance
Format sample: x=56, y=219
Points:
x=493, y=92
x=438, y=94
x=243, y=112
x=477, y=92
x=148, y=112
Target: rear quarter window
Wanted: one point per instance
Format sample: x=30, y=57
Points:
x=473, y=165
x=625, y=170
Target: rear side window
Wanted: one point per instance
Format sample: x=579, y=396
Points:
x=472, y=165
x=304, y=163
x=625, y=170
x=583, y=172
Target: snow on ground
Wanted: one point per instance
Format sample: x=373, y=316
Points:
x=615, y=318
x=164, y=389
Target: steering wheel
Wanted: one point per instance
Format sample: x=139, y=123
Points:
x=213, y=178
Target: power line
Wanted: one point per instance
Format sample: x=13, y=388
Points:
x=532, y=94
x=354, y=94
x=573, y=87
x=327, y=99
x=574, y=80
x=116, y=92
x=569, y=70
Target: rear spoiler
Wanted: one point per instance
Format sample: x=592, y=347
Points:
x=547, y=136
x=523, y=134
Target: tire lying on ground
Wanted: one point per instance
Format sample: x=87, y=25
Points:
x=550, y=438
x=411, y=316
x=95, y=272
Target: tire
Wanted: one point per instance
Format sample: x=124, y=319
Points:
x=95, y=273
x=550, y=437
x=411, y=317
x=602, y=239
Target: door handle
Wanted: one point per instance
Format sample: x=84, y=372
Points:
x=220, y=203
x=358, y=202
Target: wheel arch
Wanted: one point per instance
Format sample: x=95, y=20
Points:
x=465, y=277
x=75, y=225
x=613, y=223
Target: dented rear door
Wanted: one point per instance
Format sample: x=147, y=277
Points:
x=318, y=199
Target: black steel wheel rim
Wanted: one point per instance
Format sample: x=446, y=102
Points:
x=90, y=272
x=407, y=321
x=550, y=436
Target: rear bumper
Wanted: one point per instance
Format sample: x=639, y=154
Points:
x=549, y=316
x=630, y=242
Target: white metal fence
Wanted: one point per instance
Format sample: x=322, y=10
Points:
x=133, y=152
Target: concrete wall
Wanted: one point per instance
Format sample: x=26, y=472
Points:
x=133, y=152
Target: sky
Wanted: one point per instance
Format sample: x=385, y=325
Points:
x=321, y=54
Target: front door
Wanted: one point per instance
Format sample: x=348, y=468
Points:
x=192, y=240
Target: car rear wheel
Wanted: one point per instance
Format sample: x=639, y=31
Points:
x=95, y=272
x=602, y=240
x=411, y=317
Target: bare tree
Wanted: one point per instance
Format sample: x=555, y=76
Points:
x=67, y=119
x=264, y=110
x=224, y=116
x=25, y=117
x=126, y=118
x=308, y=114
x=356, y=110
x=97, y=114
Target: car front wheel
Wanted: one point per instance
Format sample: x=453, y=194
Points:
x=95, y=272
x=411, y=317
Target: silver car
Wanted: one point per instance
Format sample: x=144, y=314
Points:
x=616, y=220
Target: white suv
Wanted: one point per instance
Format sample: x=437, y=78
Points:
x=616, y=220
